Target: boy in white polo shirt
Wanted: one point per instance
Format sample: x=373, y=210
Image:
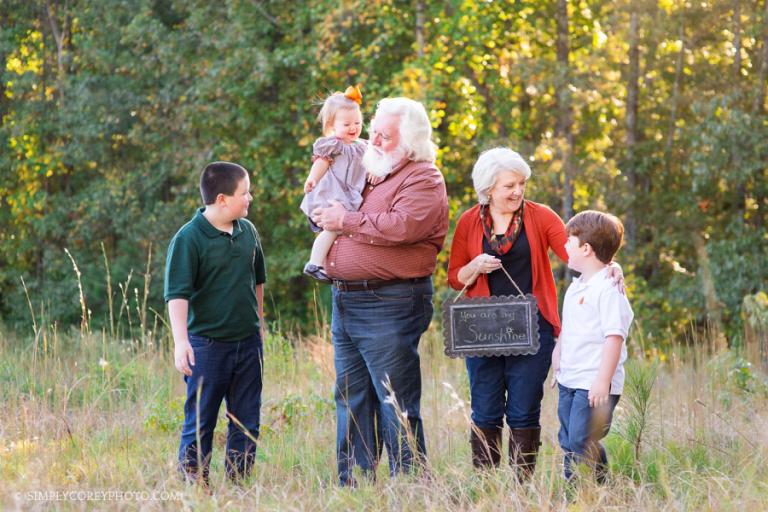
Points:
x=588, y=360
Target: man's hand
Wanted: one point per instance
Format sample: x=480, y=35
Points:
x=375, y=180
x=598, y=393
x=184, y=357
x=331, y=218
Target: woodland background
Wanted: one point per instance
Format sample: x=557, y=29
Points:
x=653, y=110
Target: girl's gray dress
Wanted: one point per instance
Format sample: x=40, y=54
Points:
x=345, y=179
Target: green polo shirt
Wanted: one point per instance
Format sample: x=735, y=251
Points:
x=217, y=273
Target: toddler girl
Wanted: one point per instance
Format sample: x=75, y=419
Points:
x=337, y=171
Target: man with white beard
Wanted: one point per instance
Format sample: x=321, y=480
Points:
x=381, y=266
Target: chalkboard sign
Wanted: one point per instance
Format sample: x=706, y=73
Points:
x=491, y=326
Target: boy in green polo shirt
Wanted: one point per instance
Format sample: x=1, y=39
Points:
x=214, y=278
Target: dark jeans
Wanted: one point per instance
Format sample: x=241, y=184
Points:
x=378, y=376
x=510, y=386
x=581, y=429
x=230, y=371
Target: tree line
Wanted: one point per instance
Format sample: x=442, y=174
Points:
x=653, y=110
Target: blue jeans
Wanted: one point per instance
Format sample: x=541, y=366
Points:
x=581, y=429
x=230, y=371
x=510, y=385
x=378, y=376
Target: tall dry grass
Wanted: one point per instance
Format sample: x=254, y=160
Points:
x=84, y=410
x=94, y=413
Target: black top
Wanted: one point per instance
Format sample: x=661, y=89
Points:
x=517, y=262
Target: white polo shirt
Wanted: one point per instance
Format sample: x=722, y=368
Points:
x=592, y=310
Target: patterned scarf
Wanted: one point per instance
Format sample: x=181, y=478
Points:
x=501, y=245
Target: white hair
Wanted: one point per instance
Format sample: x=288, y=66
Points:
x=488, y=166
x=379, y=163
x=415, y=128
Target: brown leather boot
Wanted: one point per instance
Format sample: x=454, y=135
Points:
x=523, y=448
x=486, y=446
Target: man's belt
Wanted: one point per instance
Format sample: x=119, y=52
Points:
x=374, y=284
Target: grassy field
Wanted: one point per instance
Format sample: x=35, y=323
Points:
x=93, y=423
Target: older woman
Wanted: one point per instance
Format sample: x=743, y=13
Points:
x=507, y=230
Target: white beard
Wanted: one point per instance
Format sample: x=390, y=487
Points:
x=380, y=164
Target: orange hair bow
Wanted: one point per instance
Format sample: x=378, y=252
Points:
x=354, y=94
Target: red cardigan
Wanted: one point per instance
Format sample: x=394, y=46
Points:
x=544, y=230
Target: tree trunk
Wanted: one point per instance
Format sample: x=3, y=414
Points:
x=741, y=191
x=420, y=28
x=652, y=46
x=711, y=302
x=60, y=36
x=758, y=107
x=675, y=99
x=564, y=124
x=631, y=121
x=737, y=38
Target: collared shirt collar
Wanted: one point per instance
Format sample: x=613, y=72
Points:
x=397, y=168
x=211, y=231
x=597, y=277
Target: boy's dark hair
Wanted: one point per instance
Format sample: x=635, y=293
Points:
x=603, y=231
x=220, y=178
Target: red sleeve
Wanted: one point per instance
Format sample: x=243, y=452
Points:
x=460, y=255
x=555, y=233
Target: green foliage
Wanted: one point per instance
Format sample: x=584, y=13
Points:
x=622, y=456
x=746, y=379
x=110, y=109
x=165, y=417
x=742, y=375
x=755, y=311
x=636, y=402
x=298, y=408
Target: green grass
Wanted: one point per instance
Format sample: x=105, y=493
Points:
x=82, y=412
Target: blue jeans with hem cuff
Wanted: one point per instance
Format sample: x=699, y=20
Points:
x=376, y=336
x=581, y=429
x=229, y=371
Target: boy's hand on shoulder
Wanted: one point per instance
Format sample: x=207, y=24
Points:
x=617, y=275
x=598, y=393
x=184, y=357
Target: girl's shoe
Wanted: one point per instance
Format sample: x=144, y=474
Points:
x=316, y=272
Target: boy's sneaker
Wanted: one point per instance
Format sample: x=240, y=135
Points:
x=316, y=272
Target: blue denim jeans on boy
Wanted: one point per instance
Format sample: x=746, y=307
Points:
x=581, y=429
x=378, y=376
x=230, y=371
x=510, y=386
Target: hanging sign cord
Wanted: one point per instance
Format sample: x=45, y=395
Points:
x=472, y=280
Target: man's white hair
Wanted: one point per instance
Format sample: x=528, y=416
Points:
x=415, y=128
x=488, y=166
